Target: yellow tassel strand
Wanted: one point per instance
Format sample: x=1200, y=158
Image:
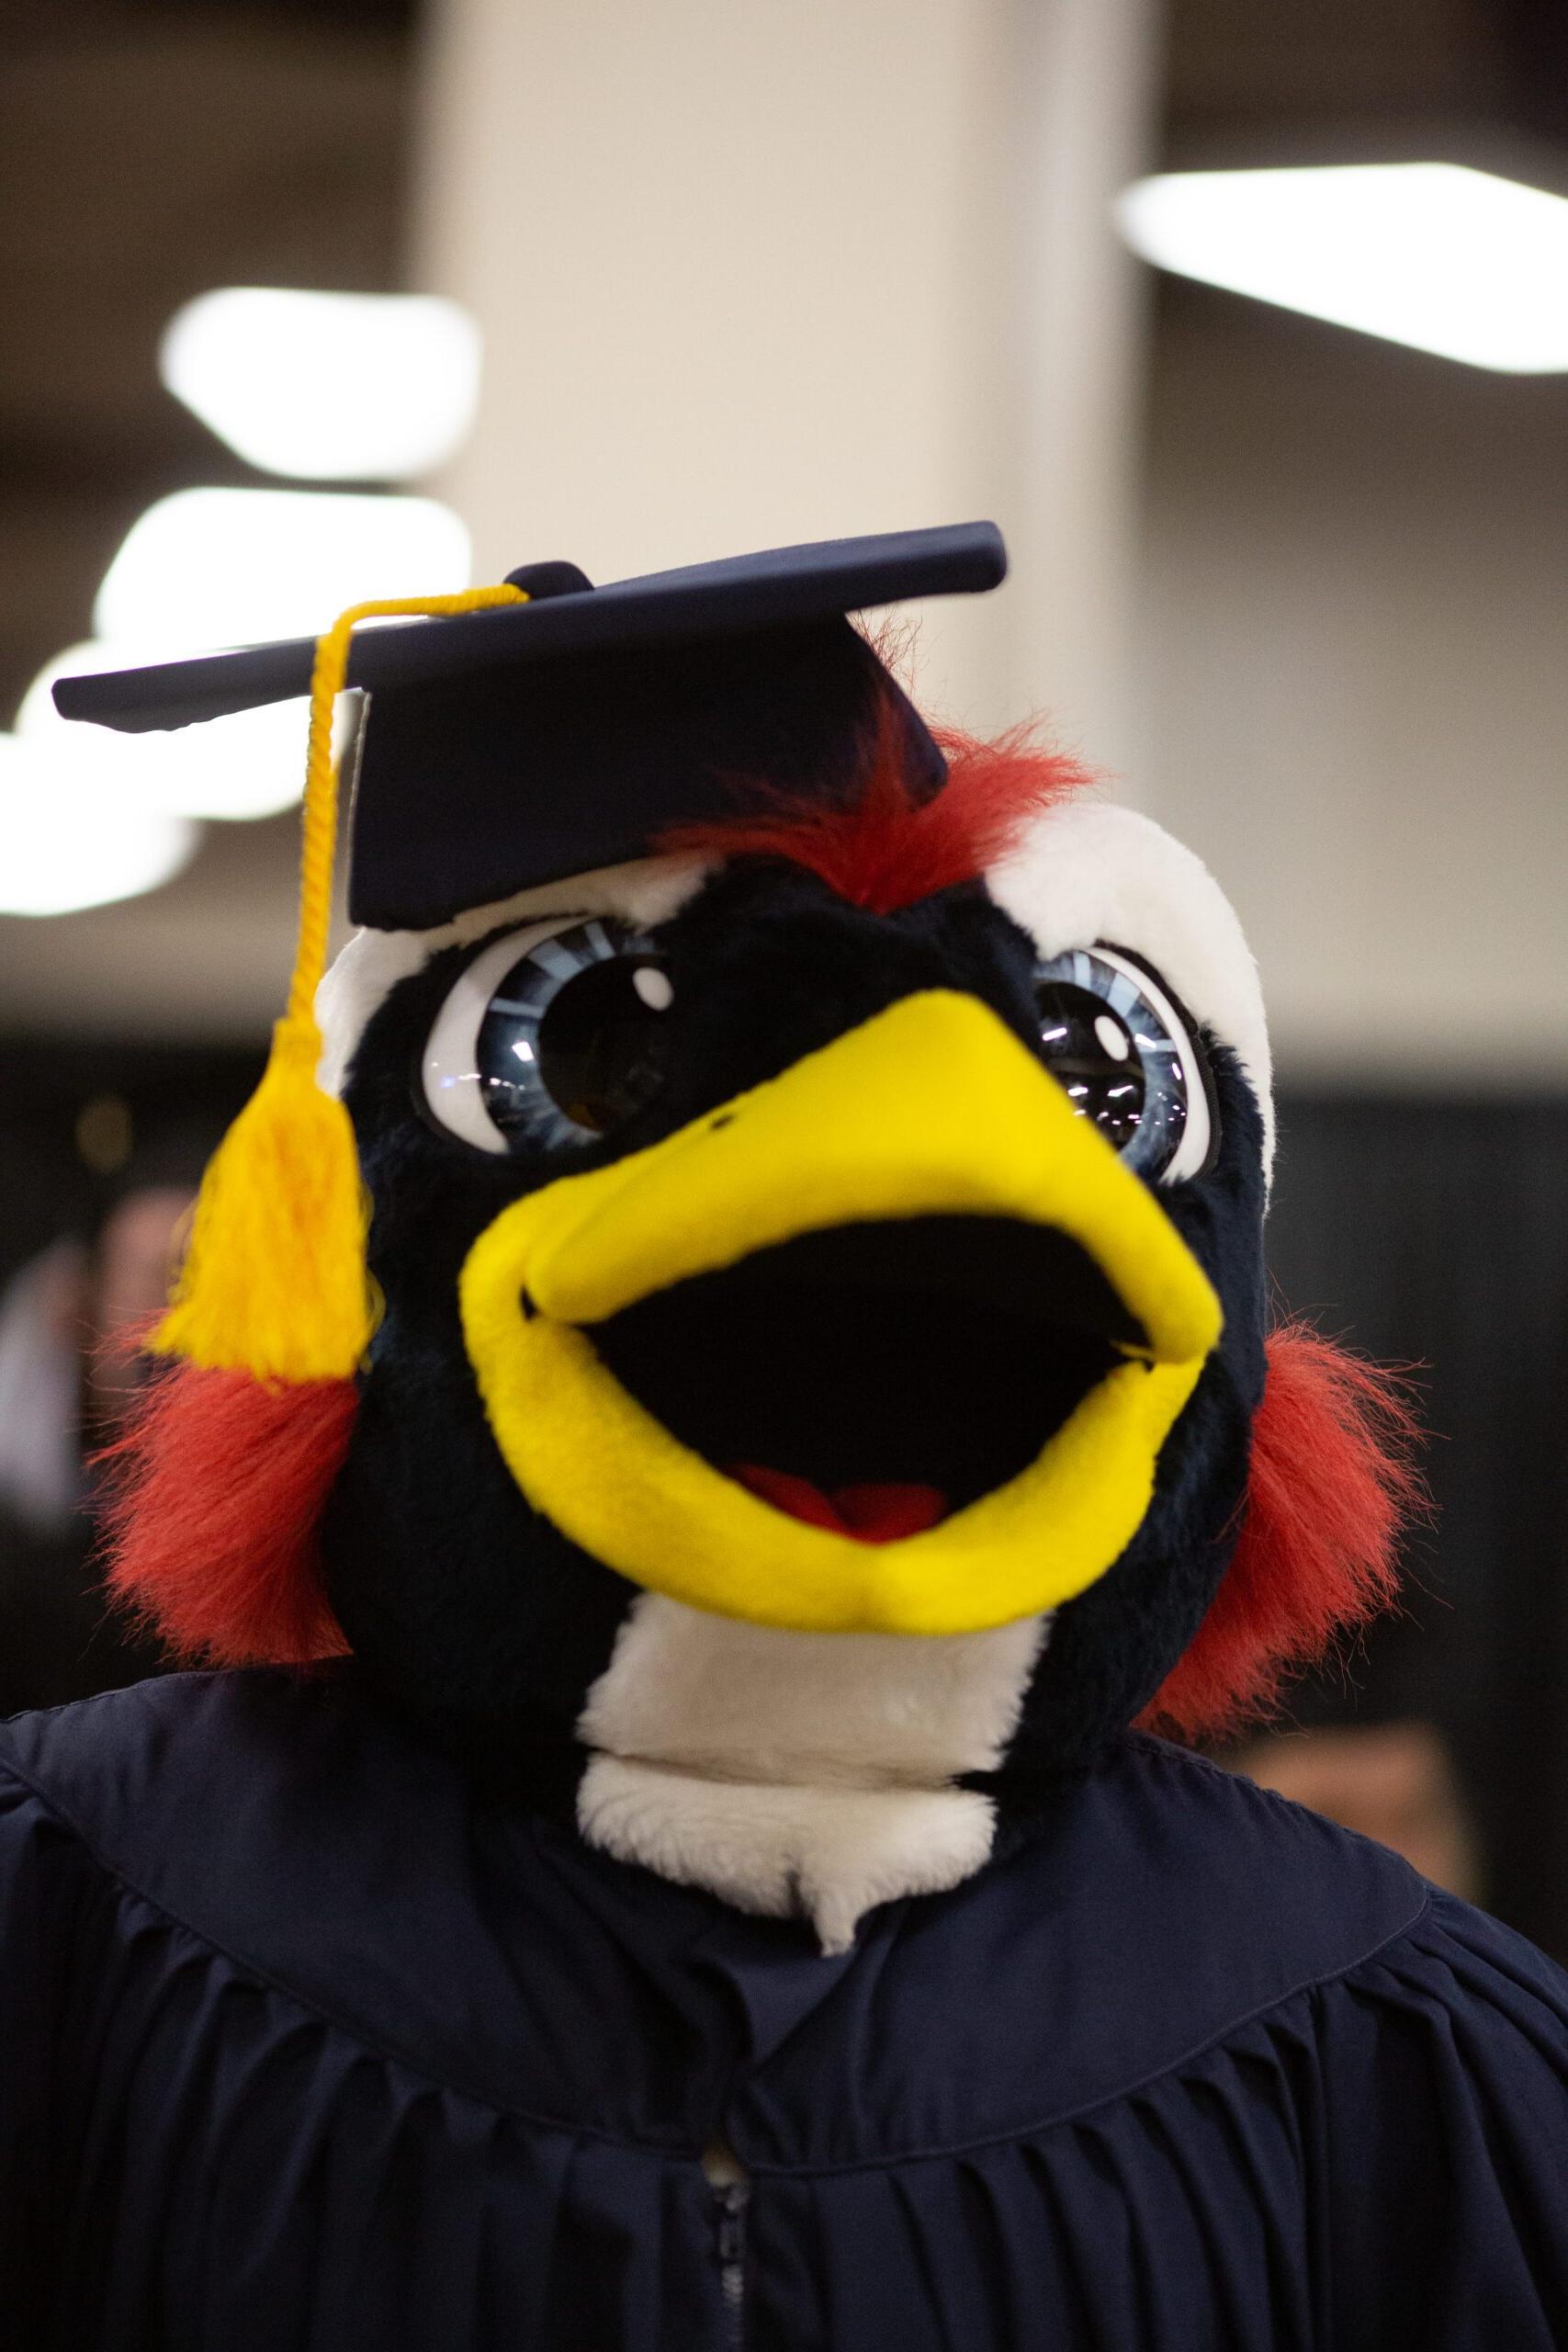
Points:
x=275, y=1283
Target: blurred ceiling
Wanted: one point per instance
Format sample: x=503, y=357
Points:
x=1233, y=66
x=148, y=151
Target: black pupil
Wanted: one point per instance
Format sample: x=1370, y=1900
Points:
x=1091, y=1051
x=601, y=1046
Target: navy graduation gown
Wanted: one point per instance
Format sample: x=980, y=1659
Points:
x=304, y=2044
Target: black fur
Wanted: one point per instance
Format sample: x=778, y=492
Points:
x=472, y=1612
x=1111, y=1648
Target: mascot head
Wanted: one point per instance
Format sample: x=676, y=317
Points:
x=806, y=1383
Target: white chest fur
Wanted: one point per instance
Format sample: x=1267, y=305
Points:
x=804, y=1773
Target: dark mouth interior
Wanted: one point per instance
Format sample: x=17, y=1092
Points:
x=938, y=1351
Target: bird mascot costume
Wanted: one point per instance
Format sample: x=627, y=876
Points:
x=717, y=1446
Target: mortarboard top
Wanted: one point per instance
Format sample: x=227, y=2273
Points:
x=507, y=748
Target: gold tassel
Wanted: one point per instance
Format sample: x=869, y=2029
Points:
x=274, y=1282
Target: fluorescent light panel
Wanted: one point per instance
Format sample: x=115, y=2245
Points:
x=247, y=764
x=68, y=840
x=327, y=387
x=206, y=568
x=1435, y=256
x=222, y=567
x=317, y=386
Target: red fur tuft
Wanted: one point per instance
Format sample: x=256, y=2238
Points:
x=1331, y=1487
x=882, y=849
x=218, y=1487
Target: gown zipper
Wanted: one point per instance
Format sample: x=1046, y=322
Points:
x=732, y=2189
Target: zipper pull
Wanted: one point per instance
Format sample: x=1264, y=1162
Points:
x=731, y=2186
x=732, y=2204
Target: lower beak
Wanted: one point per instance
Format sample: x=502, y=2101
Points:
x=923, y=1171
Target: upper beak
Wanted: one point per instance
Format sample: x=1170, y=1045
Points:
x=933, y=1107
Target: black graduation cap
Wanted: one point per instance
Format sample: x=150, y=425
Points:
x=506, y=747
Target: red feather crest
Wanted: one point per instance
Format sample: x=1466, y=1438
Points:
x=881, y=848
x=217, y=1490
x=1331, y=1487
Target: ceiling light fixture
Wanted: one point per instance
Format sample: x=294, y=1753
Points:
x=249, y=763
x=327, y=387
x=68, y=842
x=1439, y=256
x=224, y=567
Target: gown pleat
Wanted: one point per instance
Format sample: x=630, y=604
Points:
x=329, y=2075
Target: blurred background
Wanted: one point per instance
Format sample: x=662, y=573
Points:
x=637, y=287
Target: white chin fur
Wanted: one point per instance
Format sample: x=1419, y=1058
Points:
x=798, y=1773
x=827, y=1855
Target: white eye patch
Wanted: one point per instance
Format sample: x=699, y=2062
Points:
x=1090, y=872
x=640, y=894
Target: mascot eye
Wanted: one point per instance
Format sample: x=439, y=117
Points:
x=550, y=1038
x=1118, y=1044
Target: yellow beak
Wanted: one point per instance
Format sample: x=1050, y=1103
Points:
x=930, y=1108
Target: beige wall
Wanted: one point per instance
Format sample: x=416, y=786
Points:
x=1355, y=641
x=790, y=269
x=802, y=268
x=772, y=271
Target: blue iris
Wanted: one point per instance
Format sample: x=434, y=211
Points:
x=1116, y=1055
x=572, y=1042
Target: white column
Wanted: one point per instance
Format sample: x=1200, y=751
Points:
x=1083, y=127
x=757, y=273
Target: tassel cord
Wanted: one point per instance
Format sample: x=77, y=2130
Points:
x=319, y=826
x=275, y=1283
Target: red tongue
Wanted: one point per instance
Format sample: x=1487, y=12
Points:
x=872, y=1514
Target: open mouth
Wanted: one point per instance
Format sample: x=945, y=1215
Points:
x=875, y=1378
x=849, y=1353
